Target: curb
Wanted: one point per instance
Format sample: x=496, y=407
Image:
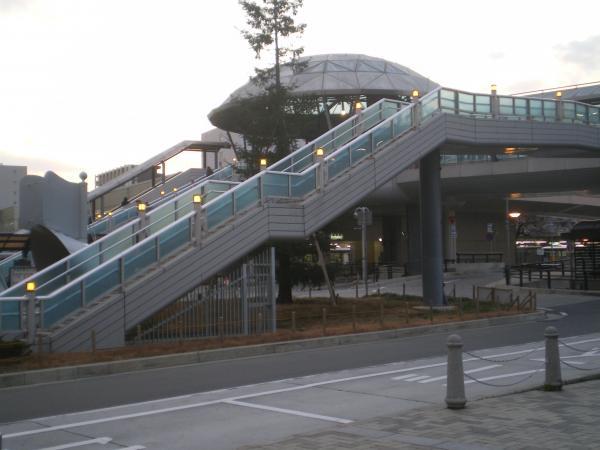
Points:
x=25, y=378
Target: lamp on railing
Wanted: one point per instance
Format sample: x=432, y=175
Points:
x=263, y=163
x=559, y=106
x=320, y=173
x=415, y=95
x=141, y=207
x=174, y=189
x=558, y=95
x=162, y=192
x=30, y=288
x=197, y=199
x=494, y=89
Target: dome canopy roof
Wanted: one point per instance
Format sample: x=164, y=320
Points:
x=344, y=74
x=331, y=75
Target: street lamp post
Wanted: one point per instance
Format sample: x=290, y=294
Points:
x=364, y=217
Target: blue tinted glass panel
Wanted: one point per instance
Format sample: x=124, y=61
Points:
x=219, y=211
x=140, y=258
x=594, y=115
x=174, y=238
x=465, y=102
x=300, y=160
x=506, y=106
x=581, y=113
x=102, y=281
x=402, y=122
x=338, y=164
x=10, y=316
x=342, y=134
x=535, y=109
x=520, y=107
x=62, y=304
x=275, y=184
x=381, y=135
x=549, y=109
x=483, y=104
x=304, y=184
x=569, y=111
x=246, y=195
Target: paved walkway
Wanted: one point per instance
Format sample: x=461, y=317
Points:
x=532, y=420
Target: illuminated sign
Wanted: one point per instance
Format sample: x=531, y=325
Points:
x=336, y=236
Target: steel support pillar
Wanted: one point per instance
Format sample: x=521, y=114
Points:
x=431, y=229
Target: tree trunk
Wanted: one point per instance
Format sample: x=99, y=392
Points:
x=284, y=274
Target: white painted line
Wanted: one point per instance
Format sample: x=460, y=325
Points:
x=101, y=441
x=109, y=419
x=420, y=377
x=135, y=447
x=404, y=377
x=506, y=375
x=479, y=369
x=289, y=411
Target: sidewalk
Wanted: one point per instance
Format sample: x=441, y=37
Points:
x=533, y=420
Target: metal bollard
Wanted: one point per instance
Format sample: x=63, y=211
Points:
x=553, y=380
x=455, y=378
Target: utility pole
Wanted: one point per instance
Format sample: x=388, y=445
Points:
x=364, y=217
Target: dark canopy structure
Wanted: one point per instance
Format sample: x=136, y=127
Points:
x=325, y=88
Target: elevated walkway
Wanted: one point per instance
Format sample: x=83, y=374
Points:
x=291, y=200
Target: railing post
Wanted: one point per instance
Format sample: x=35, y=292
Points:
x=320, y=175
x=198, y=219
x=455, y=379
x=553, y=380
x=416, y=110
x=494, y=102
x=157, y=247
x=121, y=272
x=82, y=293
x=30, y=317
x=244, y=295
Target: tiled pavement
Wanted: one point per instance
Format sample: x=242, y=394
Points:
x=530, y=420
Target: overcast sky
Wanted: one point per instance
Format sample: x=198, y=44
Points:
x=94, y=84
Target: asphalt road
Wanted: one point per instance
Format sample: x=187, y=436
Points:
x=79, y=395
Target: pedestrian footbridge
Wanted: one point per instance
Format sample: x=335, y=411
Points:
x=141, y=266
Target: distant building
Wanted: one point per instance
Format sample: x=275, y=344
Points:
x=105, y=177
x=10, y=176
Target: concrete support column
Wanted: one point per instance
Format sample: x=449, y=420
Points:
x=431, y=229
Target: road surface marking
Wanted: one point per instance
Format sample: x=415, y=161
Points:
x=101, y=441
x=289, y=411
x=404, y=377
x=420, y=377
x=479, y=369
x=506, y=375
x=135, y=447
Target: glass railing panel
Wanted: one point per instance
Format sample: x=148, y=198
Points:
x=535, y=110
x=325, y=142
x=465, y=103
x=447, y=100
x=381, y=136
x=402, y=122
x=224, y=174
x=99, y=228
x=301, y=160
x=102, y=281
x=6, y=265
x=549, y=109
x=140, y=258
x=219, y=211
x=594, y=115
x=246, y=195
x=568, y=111
x=506, y=106
x=520, y=107
x=368, y=119
x=390, y=108
x=342, y=135
x=10, y=316
x=185, y=207
x=161, y=217
x=581, y=113
x=84, y=261
x=429, y=105
x=211, y=195
x=48, y=281
x=174, y=237
x=338, y=163
x=360, y=148
x=61, y=304
x=118, y=241
x=483, y=104
x=276, y=184
x=304, y=184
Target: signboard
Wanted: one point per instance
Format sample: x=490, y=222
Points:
x=336, y=236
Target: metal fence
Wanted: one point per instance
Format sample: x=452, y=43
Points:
x=238, y=302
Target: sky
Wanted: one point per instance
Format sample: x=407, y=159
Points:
x=90, y=85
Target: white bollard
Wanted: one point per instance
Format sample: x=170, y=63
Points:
x=553, y=380
x=455, y=379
